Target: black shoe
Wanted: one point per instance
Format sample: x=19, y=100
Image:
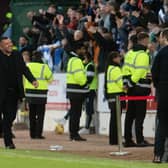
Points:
x=13, y=135
x=1, y=135
x=37, y=137
x=40, y=137
x=128, y=144
x=11, y=146
x=144, y=143
x=157, y=159
x=77, y=138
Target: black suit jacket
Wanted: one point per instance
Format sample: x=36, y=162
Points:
x=21, y=69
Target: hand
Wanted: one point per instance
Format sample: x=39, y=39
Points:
x=60, y=19
x=92, y=29
x=35, y=84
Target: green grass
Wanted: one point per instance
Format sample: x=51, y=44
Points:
x=47, y=159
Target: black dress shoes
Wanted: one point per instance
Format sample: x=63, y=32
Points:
x=40, y=137
x=77, y=138
x=11, y=146
x=144, y=143
x=128, y=144
x=37, y=137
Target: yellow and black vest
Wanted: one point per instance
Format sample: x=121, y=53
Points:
x=43, y=75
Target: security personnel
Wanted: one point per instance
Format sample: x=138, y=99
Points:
x=92, y=83
x=76, y=88
x=113, y=87
x=138, y=85
x=37, y=98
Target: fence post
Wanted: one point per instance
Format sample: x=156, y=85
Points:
x=119, y=128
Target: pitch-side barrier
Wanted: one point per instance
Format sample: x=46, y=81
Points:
x=120, y=151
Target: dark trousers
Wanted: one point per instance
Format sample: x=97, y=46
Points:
x=136, y=111
x=1, y=124
x=159, y=140
x=113, y=138
x=75, y=114
x=36, y=118
x=8, y=108
x=89, y=107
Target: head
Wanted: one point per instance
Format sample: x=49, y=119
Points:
x=113, y=57
x=163, y=38
x=80, y=49
x=152, y=23
x=6, y=45
x=37, y=57
x=132, y=40
x=23, y=41
x=80, y=13
x=143, y=38
x=78, y=35
x=146, y=7
x=30, y=15
x=110, y=7
x=52, y=9
x=124, y=10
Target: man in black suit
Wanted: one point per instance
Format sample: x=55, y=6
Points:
x=12, y=68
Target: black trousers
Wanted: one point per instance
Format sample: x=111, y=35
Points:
x=1, y=123
x=136, y=111
x=161, y=139
x=36, y=119
x=8, y=107
x=90, y=107
x=75, y=114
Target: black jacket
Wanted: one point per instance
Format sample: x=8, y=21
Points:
x=160, y=68
x=21, y=69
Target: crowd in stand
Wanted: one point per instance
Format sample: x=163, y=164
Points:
x=102, y=26
x=109, y=31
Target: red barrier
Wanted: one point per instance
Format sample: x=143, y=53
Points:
x=137, y=97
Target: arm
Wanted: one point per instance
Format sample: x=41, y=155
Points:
x=90, y=73
x=155, y=70
x=141, y=67
x=25, y=71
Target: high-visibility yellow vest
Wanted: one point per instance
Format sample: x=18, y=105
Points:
x=93, y=84
x=128, y=63
x=42, y=73
x=141, y=67
x=114, y=80
x=76, y=72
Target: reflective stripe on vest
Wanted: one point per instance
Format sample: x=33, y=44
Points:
x=113, y=81
x=71, y=90
x=36, y=95
x=139, y=67
x=77, y=70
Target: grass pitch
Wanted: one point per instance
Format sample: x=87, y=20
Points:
x=47, y=159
